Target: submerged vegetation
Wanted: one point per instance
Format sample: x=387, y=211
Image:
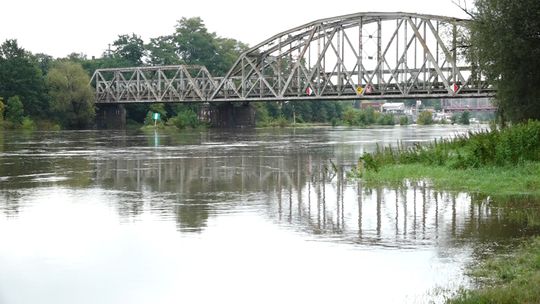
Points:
x=510, y=278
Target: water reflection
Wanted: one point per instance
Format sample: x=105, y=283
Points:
x=301, y=191
x=204, y=177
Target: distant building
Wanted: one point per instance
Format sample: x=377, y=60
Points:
x=376, y=105
x=393, y=107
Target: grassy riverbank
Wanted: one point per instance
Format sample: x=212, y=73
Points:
x=523, y=179
x=498, y=163
x=511, y=278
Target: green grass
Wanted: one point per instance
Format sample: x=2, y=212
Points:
x=512, y=278
x=498, y=148
x=499, y=162
x=495, y=181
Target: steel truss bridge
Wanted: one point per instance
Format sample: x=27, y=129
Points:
x=351, y=57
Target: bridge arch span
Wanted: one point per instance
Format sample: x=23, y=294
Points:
x=362, y=55
x=356, y=56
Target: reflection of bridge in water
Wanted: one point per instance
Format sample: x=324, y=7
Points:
x=302, y=193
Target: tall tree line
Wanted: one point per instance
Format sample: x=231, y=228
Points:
x=55, y=90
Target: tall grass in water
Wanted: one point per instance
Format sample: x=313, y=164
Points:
x=506, y=147
x=507, y=279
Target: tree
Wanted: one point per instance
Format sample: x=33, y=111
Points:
x=130, y=48
x=162, y=51
x=15, y=110
x=505, y=40
x=195, y=45
x=43, y=61
x=20, y=76
x=228, y=51
x=72, y=100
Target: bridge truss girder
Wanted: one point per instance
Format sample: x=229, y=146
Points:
x=358, y=56
x=182, y=83
x=365, y=55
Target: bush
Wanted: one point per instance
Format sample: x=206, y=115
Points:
x=281, y=122
x=425, y=118
x=14, y=110
x=403, y=120
x=28, y=124
x=185, y=119
x=386, y=119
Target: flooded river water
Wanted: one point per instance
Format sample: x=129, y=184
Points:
x=240, y=216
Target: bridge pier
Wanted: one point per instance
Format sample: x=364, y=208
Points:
x=111, y=116
x=229, y=115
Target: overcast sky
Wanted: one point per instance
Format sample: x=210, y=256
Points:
x=60, y=27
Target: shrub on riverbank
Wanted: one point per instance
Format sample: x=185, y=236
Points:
x=506, y=147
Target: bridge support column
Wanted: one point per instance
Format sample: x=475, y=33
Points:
x=111, y=116
x=229, y=115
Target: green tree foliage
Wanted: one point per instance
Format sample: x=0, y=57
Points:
x=186, y=119
x=20, y=76
x=72, y=99
x=43, y=61
x=403, y=120
x=505, y=39
x=425, y=118
x=161, y=51
x=195, y=45
x=364, y=117
x=386, y=119
x=15, y=110
x=130, y=48
x=228, y=51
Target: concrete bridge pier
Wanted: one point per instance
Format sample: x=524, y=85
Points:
x=230, y=115
x=111, y=116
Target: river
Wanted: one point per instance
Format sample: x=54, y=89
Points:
x=240, y=216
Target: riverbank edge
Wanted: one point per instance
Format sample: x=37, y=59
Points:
x=521, y=179
x=507, y=278
x=503, y=278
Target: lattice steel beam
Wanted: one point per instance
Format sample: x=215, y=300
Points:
x=154, y=84
x=357, y=56
x=323, y=56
